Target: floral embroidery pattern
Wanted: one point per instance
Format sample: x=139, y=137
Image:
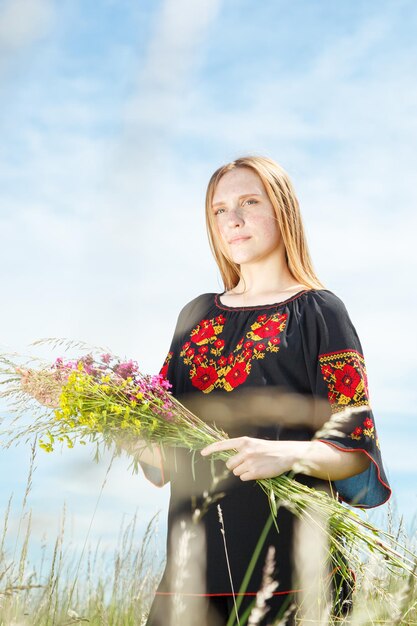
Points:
x=345, y=375
x=368, y=430
x=211, y=368
x=164, y=368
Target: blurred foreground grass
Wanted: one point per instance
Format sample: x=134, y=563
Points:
x=102, y=590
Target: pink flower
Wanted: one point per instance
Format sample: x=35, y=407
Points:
x=159, y=381
x=124, y=370
x=106, y=358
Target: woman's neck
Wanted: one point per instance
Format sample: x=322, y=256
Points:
x=265, y=282
x=265, y=277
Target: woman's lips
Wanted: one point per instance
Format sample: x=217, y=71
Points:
x=238, y=239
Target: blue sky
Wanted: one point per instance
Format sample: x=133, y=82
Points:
x=114, y=115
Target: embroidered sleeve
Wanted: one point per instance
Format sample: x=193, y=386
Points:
x=337, y=372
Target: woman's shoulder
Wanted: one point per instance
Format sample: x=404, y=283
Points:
x=196, y=309
x=203, y=300
x=324, y=299
x=325, y=310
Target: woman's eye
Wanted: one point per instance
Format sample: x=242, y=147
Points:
x=251, y=200
x=218, y=211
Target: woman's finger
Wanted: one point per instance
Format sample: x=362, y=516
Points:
x=246, y=476
x=221, y=446
x=235, y=460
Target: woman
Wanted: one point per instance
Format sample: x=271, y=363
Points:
x=275, y=327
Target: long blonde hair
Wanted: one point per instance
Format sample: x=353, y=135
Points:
x=282, y=196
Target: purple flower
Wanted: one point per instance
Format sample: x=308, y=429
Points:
x=124, y=370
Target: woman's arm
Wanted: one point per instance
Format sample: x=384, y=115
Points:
x=261, y=458
x=149, y=453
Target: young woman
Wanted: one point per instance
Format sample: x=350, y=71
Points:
x=274, y=328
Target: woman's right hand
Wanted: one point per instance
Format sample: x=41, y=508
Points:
x=39, y=388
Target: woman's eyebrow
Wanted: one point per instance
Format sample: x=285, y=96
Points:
x=246, y=195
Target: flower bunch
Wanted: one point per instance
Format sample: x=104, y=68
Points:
x=101, y=398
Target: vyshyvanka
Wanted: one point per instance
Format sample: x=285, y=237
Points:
x=306, y=345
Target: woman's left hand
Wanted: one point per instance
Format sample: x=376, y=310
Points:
x=256, y=458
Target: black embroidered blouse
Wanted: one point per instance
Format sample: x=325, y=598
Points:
x=305, y=345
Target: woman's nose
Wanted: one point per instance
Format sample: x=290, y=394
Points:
x=236, y=217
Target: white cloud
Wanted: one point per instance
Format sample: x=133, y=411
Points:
x=172, y=56
x=22, y=22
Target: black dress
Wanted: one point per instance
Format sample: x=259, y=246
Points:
x=305, y=345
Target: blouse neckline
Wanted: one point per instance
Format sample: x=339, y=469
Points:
x=225, y=307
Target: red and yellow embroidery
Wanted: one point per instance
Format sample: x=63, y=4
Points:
x=164, y=369
x=366, y=430
x=345, y=375
x=210, y=368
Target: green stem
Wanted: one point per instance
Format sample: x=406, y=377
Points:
x=251, y=567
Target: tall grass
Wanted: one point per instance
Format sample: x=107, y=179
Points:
x=100, y=588
x=116, y=589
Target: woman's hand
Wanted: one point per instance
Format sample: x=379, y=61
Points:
x=42, y=390
x=257, y=458
x=261, y=458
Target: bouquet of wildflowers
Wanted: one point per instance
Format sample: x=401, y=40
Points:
x=103, y=399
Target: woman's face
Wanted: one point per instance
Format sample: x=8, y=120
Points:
x=244, y=217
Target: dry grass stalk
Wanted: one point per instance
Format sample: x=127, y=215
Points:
x=223, y=532
x=266, y=591
x=188, y=565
